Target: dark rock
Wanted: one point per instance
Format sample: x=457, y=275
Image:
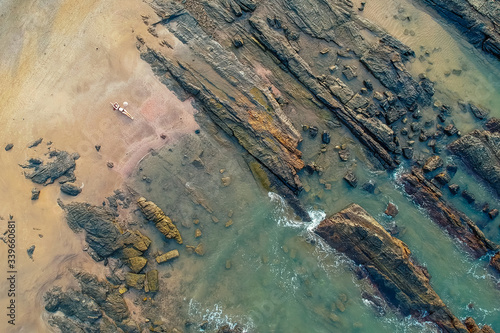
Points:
x=369, y=186
x=469, y=197
x=30, y=251
x=495, y=261
x=115, y=307
x=351, y=179
x=228, y=329
x=408, y=152
x=432, y=163
x=35, y=161
x=35, y=193
x=73, y=304
x=102, y=232
x=457, y=224
x=368, y=84
x=493, y=213
x=70, y=189
x=442, y=178
x=92, y=286
x=493, y=125
x=110, y=165
x=478, y=112
x=478, y=23
x=313, y=131
x=238, y=41
x=98, y=147
x=35, y=143
x=63, y=165
x=9, y=146
x=454, y=188
x=325, y=137
x=450, y=130
x=452, y=169
x=480, y=150
x=68, y=325
x=391, y=210
x=404, y=284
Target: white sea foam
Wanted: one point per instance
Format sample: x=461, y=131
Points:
x=216, y=317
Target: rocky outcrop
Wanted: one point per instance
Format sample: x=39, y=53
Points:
x=387, y=260
x=61, y=164
x=479, y=21
x=70, y=189
x=232, y=94
x=456, y=223
x=103, y=234
x=480, y=150
x=84, y=309
x=162, y=222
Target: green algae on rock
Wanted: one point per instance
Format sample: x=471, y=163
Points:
x=162, y=222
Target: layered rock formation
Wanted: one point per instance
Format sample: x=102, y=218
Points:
x=162, y=222
x=480, y=150
x=62, y=164
x=479, y=21
x=387, y=260
x=456, y=223
x=96, y=307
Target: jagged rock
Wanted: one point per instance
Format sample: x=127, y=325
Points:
x=73, y=304
x=151, y=283
x=115, y=306
x=456, y=223
x=450, y=130
x=70, y=189
x=469, y=197
x=391, y=210
x=454, y=188
x=135, y=280
x=162, y=222
x=264, y=131
x=478, y=21
x=493, y=125
x=107, y=326
x=369, y=187
x=480, y=150
x=9, y=146
x=35, y=143
x=92, y=286
x=167, y=256
x=408, y=152
x=228, y=329
x=63, y=165
x=432, y=163
x=442, y=178
x=103, y=234
x=344, y=154
x=68, y=325
x=387, y=260
x=493, y=213
x=476, y=111
x=137, y=240
x=130, y=252
x=35, y=193
x=451, y=169
x=351, y=178
x=495, y=261
x=313, y=131
x=136, y=264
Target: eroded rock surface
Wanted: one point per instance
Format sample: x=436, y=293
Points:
x=388, y=262
x=456, y=223
x=478, y=20
x=162, y=222
x=480, y=150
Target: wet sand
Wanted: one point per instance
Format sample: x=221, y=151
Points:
x=62, y=63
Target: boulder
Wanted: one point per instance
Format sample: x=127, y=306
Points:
x=136, y=281
x=136, y=264
x=35, y=193
x=162, y=222
x=432, y=163
x=391, y=210
x=151, y=283
x=167, y=256
x=387, y=260
x=351, y=178
x=70, y=189
x=9, y=146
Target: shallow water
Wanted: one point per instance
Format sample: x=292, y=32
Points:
x=269, y=272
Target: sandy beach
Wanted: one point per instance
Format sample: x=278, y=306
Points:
x=62, y=64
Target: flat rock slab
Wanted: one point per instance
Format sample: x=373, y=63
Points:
x=387, y=260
